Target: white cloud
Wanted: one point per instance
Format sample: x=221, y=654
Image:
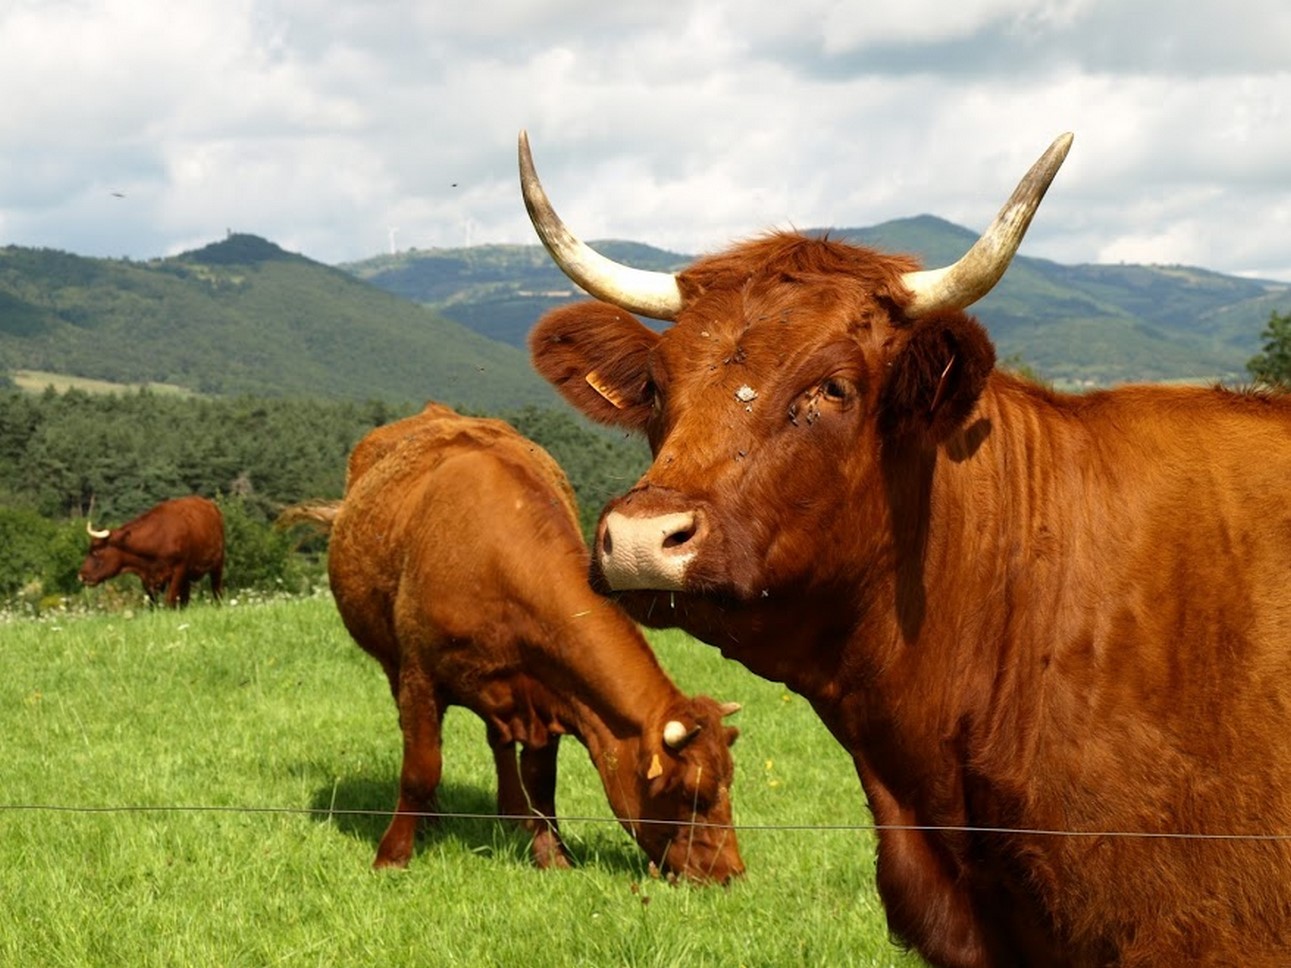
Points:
x=323, y=125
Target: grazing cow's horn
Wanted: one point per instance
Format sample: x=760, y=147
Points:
x=729, y=708
x=972, y=277
x=89, y=529
x=676, y=735
x=653, y=294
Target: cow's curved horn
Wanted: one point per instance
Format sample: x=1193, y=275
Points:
x=729, y=708
x=676, y=735
x=89, y=529
x=972, y=277
x=653, y=294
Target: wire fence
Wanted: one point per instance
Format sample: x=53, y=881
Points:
x=330, y=812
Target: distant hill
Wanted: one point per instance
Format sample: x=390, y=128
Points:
x=244, y=316
x=1075, y=325
x=499, y=291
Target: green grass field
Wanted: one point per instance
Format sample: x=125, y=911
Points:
x=208, y=788
x=36, y=381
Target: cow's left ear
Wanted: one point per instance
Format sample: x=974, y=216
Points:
x=934, y=380
x=659, y=773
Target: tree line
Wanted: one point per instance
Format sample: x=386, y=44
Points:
x=1272, y=365
x=70, y=457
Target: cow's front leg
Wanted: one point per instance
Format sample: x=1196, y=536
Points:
x=927, y=904
x=420, y=718
x=538, y=771
x=527, y=794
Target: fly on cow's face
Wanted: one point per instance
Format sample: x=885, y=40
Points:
x=838, y=392
x=812, y=413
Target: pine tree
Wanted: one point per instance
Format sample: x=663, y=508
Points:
x=1273, y=364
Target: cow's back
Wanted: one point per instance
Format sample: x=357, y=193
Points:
x=430, y=540
x=381, y=440
x=187, y=530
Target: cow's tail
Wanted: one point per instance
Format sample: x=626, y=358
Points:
x=319, y=515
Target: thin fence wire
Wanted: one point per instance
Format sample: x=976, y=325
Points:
x=329, y=812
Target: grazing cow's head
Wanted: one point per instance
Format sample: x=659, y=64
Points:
x=103, y=561
x=679, y=791
x=793, y=369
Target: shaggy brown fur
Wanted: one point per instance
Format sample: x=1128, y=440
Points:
x=1021, y=612
x=169, y=547
x=456, y=561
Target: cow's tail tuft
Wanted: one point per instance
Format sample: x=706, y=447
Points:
x=319, y=515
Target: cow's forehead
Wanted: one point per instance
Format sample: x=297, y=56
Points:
x=723, y=335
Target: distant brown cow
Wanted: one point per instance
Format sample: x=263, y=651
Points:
x=170, y=546
x=456, y=561
x=1053, y=631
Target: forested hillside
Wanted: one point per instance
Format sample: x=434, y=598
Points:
x=242, y=316
x=1076, y=325
x=1106, y=324
x=63, y=454
x=59, y=452
x=499, y=291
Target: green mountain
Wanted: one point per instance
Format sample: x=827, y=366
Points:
x=1104, y=324
x=1075, y=325
x=499, y=291
x=244, y=316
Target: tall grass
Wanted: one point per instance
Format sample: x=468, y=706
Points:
x=208, y=787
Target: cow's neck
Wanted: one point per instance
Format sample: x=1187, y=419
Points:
x=605, y=678
x=982, y=550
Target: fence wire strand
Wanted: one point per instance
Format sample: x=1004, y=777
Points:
x=331, y=812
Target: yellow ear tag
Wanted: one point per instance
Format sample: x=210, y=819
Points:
x=656, y=768
x=596, y=383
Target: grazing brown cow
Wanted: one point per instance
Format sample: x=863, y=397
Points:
x=457, y=562
x=1053, y=631
x=171, y=546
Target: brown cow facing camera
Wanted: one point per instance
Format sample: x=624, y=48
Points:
x=1053, y=631
x=170, y=546
x=456, y=561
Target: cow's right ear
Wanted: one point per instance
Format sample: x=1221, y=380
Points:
x=595, y=354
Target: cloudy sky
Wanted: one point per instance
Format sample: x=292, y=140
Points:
x=341, y=128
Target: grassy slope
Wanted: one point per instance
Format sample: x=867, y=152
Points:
x=269, y=706
x=245, y=317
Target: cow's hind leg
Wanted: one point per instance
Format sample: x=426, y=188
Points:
x=527, y=791
x=420, y=717
x=177, y=593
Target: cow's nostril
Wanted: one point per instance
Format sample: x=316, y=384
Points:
x=679, y=536
x=651, y=551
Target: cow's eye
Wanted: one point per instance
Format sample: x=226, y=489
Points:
x=834, y=390
x=651, y=392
